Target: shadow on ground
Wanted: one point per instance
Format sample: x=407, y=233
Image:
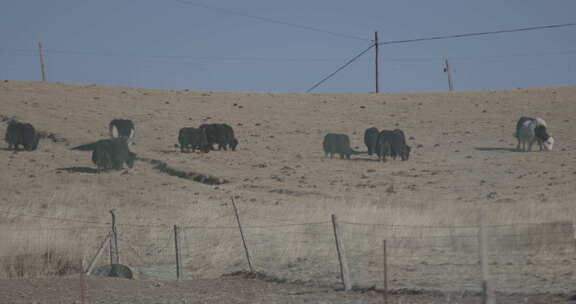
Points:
x=79, y=170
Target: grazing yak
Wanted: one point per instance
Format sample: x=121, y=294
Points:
x=19, y=133
x=122, y=128
x=393, y=144
x=221, y=134
x=370, y=139
x=337, y=143
x=110, y=153
x=193, y=138
x=529, y=130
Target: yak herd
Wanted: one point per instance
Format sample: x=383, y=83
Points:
x=112, y=153
x=382, y=143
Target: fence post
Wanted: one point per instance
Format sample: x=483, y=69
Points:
x=114, y=255
x=177, y=251
x=82, y=282
x=242, y=235
x=487, y=291
x=385, y=268
x=344, y=271
x=98, y=253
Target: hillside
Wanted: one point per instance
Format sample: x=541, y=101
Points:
x=462, y=160
x=461, y=143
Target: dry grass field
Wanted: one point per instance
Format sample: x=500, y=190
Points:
x=462, y=163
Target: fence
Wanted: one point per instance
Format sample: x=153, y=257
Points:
x=521, y=257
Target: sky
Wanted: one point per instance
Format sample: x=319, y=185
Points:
x=288, y=46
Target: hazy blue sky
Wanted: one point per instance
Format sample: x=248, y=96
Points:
x=235, y=46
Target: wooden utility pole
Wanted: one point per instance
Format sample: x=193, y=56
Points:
x=42, y=69
x=487, y=291
x=376, y=61
x=242, y=235
x=344, y=271
x=448, y=70
x=177, y=250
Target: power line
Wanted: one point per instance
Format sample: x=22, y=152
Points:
x=454, y=36
x=269, y=20
x=31, y=52
x=340, y=68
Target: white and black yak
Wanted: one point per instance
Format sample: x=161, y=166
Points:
x=122, y=128
x=530, y=130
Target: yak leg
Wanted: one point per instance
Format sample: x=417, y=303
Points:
x=540, y=144
x=530, y=143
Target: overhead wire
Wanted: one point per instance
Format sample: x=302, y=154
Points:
x=443, y=37
x=475, y=34
x=339, y=69
x=270, y=20
x=390, y=42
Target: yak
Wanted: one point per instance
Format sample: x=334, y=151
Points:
x=220, y=134
x=193, y=138
x=24, y=134
x=110, y=153
x=337, y=143
x=370, y=139
x=530, y=130
x=122, y=128
x=393, y=144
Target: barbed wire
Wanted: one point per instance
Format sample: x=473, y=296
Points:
x=54, y=218
x=448, y=226
x=392, y=226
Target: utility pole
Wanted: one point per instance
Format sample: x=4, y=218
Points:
x=448, y=70
x=376, y=60
x=41, y=61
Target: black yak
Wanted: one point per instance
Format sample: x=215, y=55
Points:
x=193, y=138
x=393, y=144
x=110, y=153
x=24, y=134
x=220, y=134
x=370, y=139
x=337, y=143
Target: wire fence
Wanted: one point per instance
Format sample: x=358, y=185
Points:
x=537, y=257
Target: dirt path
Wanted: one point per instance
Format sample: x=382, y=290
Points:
x=232, y=290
